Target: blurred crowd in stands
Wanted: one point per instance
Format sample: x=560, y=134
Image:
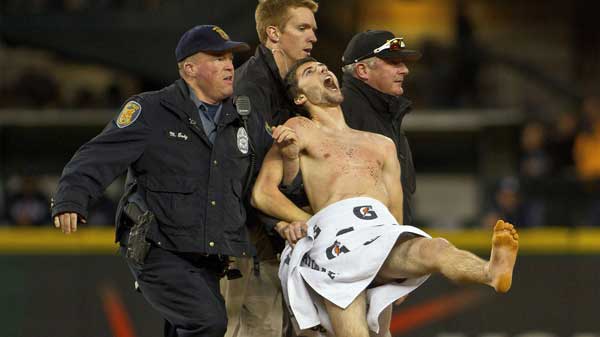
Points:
x=556, y=181
x=27, y=201
x=36, y=89
x=36, y=79
x=49, y=6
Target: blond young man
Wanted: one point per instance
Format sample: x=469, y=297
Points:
x=287, y=33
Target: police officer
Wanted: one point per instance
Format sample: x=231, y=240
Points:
x=188, y=155
x=374, y=67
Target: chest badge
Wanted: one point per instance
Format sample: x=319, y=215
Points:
x=242, y=140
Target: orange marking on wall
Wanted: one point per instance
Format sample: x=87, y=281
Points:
x=117, y=316
x=433, y=310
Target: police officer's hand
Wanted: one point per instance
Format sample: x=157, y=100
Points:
x=68, y=221
x=287, y=141
x=292, y=232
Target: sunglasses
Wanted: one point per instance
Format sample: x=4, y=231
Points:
x=394, y=44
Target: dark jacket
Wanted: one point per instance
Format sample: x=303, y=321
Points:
x=368, y=109
x=193, y=187
x=259, y=79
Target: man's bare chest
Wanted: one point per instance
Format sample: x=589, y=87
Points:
x=348, y=150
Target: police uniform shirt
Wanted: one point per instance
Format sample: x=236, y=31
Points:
x=209, y=115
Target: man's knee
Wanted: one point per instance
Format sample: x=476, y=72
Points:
x=431, y=249
x=440, y=244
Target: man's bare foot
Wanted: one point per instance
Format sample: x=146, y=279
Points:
x=505, y=245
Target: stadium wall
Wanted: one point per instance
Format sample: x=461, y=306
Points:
x=77, y=285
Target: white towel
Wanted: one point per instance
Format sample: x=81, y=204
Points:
x=346, y=245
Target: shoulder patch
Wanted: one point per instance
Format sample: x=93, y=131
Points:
x=131, y=111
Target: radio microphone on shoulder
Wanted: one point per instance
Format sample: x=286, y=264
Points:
x=242, y=105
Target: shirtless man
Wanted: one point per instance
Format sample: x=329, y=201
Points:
x=352, y=179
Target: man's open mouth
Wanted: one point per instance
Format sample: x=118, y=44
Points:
x=329, y=83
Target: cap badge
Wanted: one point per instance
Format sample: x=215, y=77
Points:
x=221, y=33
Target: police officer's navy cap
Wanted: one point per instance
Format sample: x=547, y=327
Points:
x=206, y=38
x=380, y=43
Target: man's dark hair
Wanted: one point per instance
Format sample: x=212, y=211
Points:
x=291, y=80
x=291, y=85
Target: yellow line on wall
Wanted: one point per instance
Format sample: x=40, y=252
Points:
x=535, y=241
x=101, y=240
x=53, y=241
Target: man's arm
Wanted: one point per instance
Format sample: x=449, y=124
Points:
x=289, y=149
x=97, y=163
x=391, y=180
x=266, y=195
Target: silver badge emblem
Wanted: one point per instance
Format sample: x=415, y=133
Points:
x=242, y=140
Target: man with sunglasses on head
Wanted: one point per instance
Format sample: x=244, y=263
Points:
x=374, y=67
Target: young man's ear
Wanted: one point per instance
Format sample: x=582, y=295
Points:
x=273, y=34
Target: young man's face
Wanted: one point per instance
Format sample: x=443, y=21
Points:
x=387, y=76
x=298, y=34
x=318, y=84
x=214, y=74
